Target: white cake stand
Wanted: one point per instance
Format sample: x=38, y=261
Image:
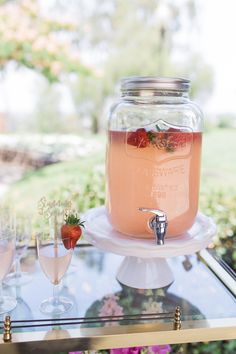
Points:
x=145, y=265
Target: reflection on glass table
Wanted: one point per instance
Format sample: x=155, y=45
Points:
x=22, y=309
x=196, y=289
x=95, y=292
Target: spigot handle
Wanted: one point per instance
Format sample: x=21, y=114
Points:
x=157, y=223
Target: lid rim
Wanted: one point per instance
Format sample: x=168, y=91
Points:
x=154, y=83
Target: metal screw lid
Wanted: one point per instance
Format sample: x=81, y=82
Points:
x=135, y=83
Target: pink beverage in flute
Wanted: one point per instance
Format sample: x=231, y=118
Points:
x=159, y=170
x=54, y=261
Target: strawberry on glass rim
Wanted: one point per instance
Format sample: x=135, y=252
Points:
x=71, y=230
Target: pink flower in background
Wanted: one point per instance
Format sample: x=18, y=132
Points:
x=152, y=306
x=111, y=308
x=159, y=349
x=133, y=350
x=154, y=349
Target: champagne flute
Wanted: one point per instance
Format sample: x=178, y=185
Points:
x=7, y=249
x=23, y=235
x=54, y=257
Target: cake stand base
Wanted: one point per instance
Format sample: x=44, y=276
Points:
x=143, y=273
x=145, y=265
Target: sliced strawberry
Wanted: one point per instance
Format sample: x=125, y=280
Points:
x=139, y=138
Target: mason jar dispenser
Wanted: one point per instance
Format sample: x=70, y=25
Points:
x=153, y=158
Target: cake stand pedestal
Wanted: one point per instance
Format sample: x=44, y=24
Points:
x=145, y=265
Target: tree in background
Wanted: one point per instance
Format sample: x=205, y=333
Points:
x=31, y=38
x=137, y=38
x=118, y=38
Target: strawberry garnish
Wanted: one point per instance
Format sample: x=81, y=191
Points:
x=139, y=138
x=71, y=231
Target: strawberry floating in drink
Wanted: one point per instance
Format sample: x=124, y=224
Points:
x=139, y=138
x=177, y=139
x=167, y=140
x=71, y=231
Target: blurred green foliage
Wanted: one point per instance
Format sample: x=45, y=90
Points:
x=221, y=206
x=220, y=347
x=81, y=181
x=218, y=162
x=137, y=38
x=226, y=121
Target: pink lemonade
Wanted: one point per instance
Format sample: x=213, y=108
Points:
x=54, y=261
x=161, y=173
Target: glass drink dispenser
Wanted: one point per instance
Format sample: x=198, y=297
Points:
x=153, y=158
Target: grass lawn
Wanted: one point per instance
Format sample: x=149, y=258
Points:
x=55, y=181
x=218, y=172
x=219, y=161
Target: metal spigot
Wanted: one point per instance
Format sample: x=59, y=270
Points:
x=157, y=223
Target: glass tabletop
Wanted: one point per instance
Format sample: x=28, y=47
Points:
x=91, y=284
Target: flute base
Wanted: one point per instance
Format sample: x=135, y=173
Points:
x=53, y=306
x=7, y=304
